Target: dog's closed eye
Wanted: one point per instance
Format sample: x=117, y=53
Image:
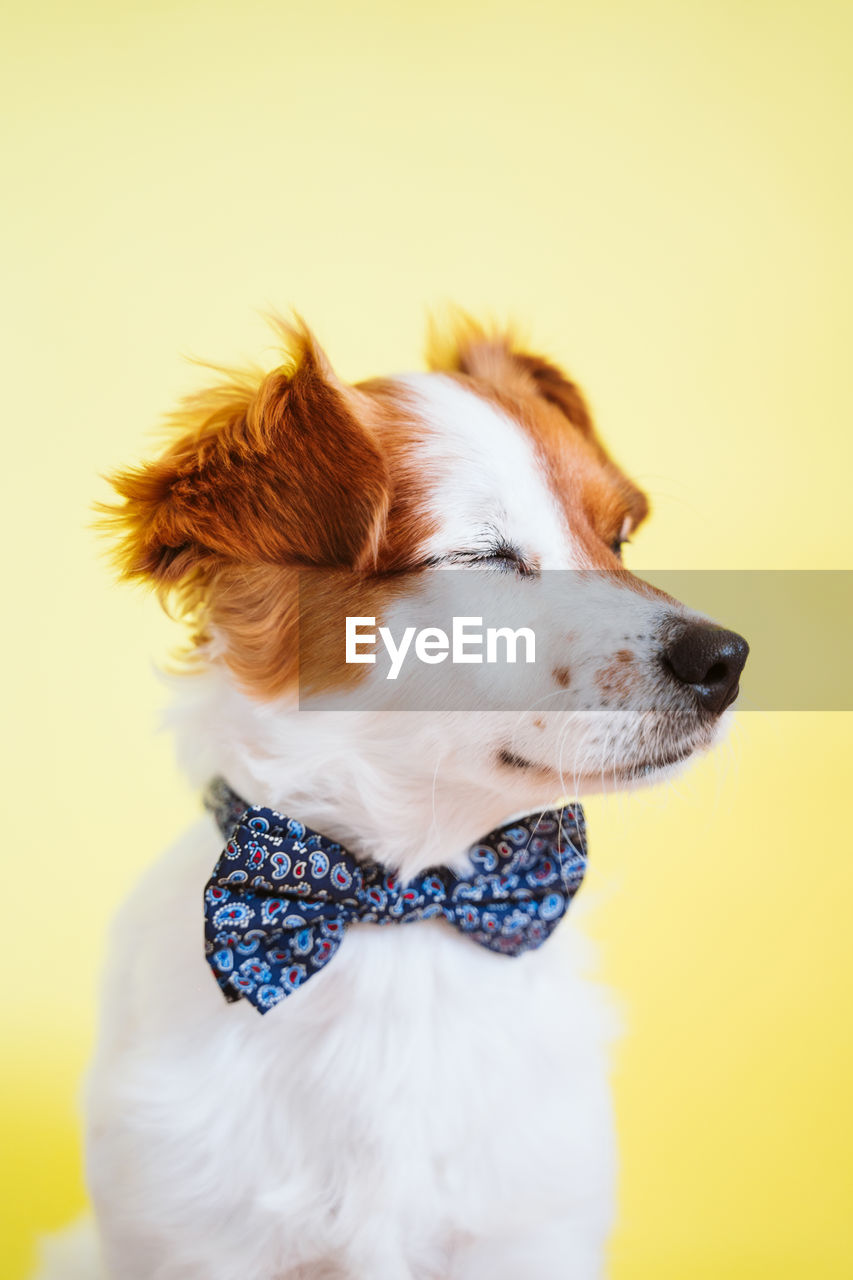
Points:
x=500, y=555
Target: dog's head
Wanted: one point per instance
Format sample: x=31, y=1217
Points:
x=490, y=462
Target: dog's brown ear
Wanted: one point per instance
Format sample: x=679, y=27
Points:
x=277, y=469
x=496, y=357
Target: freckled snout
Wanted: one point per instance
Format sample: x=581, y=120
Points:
x=710, y=660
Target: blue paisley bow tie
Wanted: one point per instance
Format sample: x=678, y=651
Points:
x=282, y=895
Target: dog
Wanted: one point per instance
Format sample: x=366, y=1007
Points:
x=419, y=1107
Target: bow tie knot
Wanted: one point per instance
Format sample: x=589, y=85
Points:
x=281, y=895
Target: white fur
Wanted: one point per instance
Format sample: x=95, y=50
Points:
x=422, y=1109
x=485, y=474
x=417, y=1099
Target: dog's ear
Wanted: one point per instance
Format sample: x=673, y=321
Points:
x=496, y=357
x=274, y=469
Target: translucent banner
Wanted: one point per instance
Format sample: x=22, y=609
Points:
x=581, y=640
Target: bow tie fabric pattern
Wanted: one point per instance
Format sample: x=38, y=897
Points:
x=281, y=895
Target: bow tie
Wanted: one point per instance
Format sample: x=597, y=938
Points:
x=281, y=895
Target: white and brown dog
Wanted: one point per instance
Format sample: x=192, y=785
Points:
x=422, y=1109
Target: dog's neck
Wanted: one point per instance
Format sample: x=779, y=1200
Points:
x=344, y=773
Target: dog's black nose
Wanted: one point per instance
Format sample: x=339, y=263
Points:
x=710, y=660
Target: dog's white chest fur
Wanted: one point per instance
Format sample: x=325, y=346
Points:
x=421, y=1108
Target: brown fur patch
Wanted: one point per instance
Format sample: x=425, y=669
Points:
x=389, y=410
x=285, y=626
x=282, y=472
x=617, y=679
x=562, y=676
x=278, y=490
x=596, y=496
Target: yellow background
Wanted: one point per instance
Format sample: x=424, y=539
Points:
x=661, y=190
